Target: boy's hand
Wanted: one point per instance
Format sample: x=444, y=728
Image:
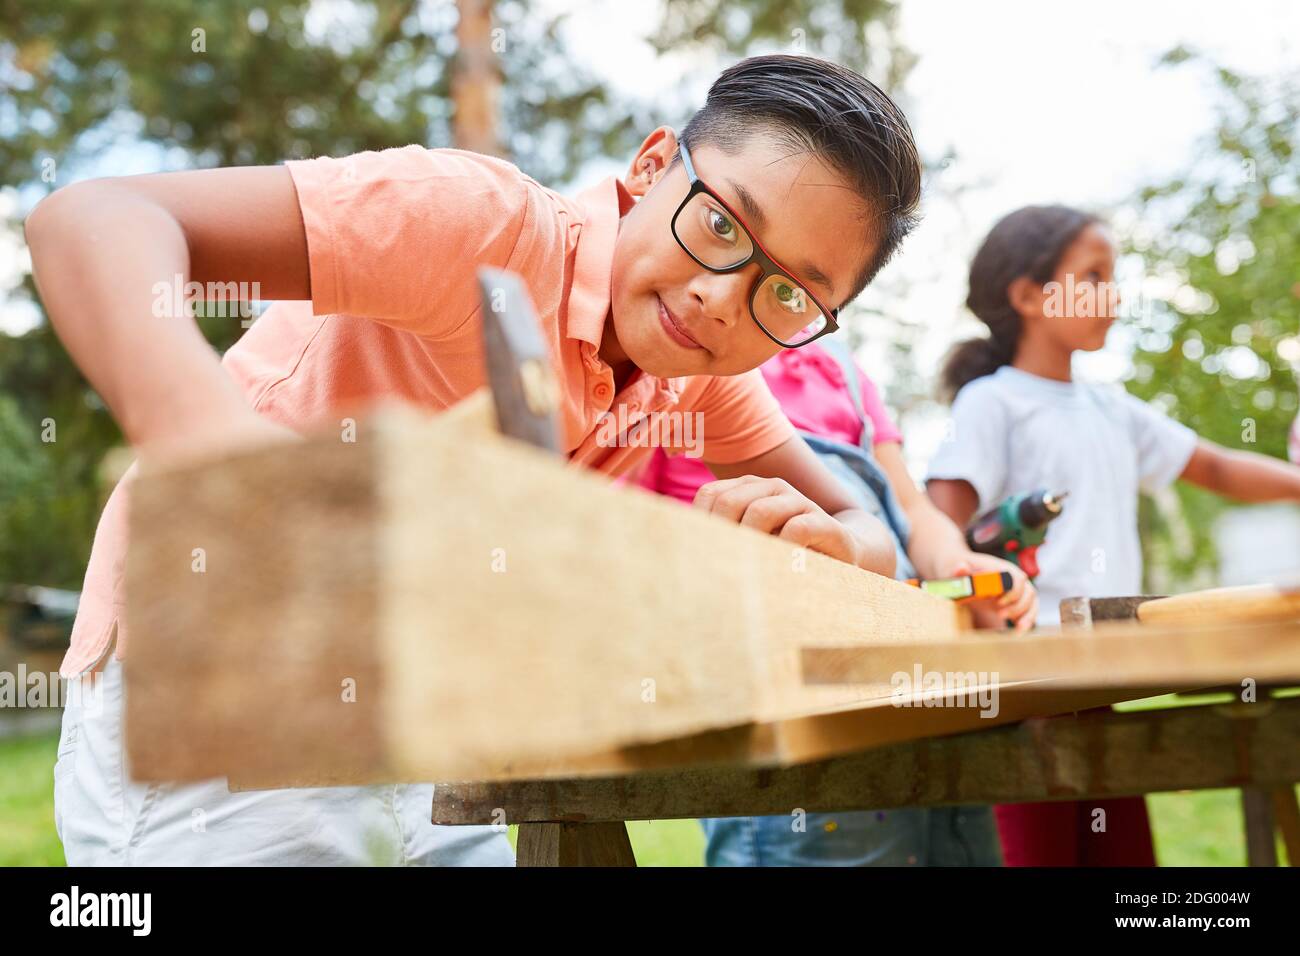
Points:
x=773, y=506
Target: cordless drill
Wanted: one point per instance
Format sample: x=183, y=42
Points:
x=1014, y=529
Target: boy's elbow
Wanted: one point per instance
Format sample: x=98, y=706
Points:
x=50, y=218
x=62, y=213
x=37, y=222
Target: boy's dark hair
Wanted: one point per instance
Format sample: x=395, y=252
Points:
x=820, y=106
x=1028, y=242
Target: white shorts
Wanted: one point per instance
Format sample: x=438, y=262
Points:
x=105, y=818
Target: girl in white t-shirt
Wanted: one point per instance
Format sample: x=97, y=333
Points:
x=1043, y=282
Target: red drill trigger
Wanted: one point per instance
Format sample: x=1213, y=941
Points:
x=1029, y=562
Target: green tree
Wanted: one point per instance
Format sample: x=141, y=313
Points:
x=1219, y=345
x=238, y=82
x=860, y=34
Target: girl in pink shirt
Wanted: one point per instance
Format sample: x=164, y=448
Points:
x=837, y=408
x=810, y=386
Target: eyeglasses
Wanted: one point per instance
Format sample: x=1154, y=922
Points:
x=715, y=236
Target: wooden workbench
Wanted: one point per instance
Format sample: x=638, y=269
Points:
x=530, y=623
x=1092, y=754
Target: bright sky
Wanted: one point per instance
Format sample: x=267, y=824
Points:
x=1039, y=101
x=1061, y=102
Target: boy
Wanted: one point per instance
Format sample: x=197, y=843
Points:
x=783, y=197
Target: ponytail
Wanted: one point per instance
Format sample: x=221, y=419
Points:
x=1028, y=242
x=972, y=359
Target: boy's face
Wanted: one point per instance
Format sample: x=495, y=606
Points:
x=811, y=221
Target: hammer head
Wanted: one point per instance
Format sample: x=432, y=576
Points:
x=524, y=390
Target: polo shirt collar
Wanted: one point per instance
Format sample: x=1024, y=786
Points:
x=605, y=204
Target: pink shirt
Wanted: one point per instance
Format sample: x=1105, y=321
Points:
x=393, y=238
x=809, y=384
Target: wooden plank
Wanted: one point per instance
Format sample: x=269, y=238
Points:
x=1095, y=754
x=781, y=743
x=1108, y=655
x=1260, y=602
x=432, y=600
x=804, y=739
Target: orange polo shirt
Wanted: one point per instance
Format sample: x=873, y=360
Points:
x=394, y=238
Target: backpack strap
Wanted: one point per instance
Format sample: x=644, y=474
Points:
x=839, y=350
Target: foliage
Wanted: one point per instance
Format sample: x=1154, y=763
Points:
x=856, y=33
x=1218, y=342
x=239, y=82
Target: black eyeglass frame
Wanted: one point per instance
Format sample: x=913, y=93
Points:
x=760, y=255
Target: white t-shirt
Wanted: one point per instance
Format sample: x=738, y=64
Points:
x=1014, y=432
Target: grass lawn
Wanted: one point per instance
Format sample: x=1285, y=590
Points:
x=27, y=836
x=1202, y=828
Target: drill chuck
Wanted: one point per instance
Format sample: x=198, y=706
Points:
x=1038, y=509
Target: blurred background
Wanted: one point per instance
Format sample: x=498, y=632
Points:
x=1175, y=120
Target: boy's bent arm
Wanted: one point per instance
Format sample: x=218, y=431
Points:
x=1243, y=475
x=107, y=255
x=790, y=493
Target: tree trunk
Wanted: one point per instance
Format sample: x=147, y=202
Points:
x=475, y=81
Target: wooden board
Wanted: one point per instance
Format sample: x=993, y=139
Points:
x=433, y=601
x=1115, y=655
x=1261, y=602
x=781, y=743
x=529, y=620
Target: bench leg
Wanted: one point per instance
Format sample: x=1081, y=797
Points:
x=574, y=844
x=1261, y=847
x=1287, y=813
